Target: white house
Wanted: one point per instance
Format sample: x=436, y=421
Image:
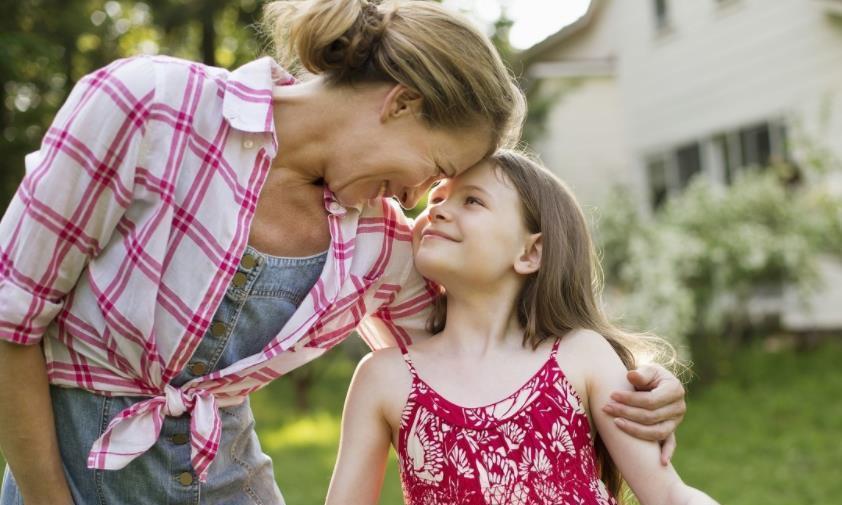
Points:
x=649, y=93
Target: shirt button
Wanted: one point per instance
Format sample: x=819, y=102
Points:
x=335, y=208
x=239, y=280
x=218, y=329
x=248, y=143
x=198, y=368
x=185, y=478
x=249, y=262
x=180, y=439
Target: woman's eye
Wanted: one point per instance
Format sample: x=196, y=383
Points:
x=436, y=199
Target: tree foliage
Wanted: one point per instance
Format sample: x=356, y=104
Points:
x=47, y=45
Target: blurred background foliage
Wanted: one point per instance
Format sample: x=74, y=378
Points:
x=762, y=426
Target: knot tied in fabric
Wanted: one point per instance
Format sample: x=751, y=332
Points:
x=138, y=427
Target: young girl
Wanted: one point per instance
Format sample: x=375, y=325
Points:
x=508, y=244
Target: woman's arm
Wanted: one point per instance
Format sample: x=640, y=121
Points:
x=365, y=439
x=28, y=438
x=66, y=210
x=637, y=460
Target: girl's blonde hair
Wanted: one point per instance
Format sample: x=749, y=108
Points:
x=425, y=47
x=564, y=294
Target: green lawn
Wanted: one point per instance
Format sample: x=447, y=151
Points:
x=767, y=434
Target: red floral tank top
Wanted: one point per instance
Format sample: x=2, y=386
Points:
x=533, y=447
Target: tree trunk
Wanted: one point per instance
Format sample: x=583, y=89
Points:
x=208, y=33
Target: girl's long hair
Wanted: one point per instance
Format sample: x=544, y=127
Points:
x=565, y=293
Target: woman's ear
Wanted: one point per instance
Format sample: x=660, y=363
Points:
x=529, y=262
x=400, y=101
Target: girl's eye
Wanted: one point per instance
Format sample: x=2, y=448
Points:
x=473, y=200
x=436, y=199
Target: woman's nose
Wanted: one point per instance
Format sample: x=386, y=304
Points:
x=411, y=196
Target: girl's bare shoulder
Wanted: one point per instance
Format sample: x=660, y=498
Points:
x=384, y=374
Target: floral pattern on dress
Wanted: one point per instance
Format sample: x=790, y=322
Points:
x=534, y=447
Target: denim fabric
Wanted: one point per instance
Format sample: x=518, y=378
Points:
x=256, y=306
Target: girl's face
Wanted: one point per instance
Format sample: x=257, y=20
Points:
x=390, y=151
x=473, y=231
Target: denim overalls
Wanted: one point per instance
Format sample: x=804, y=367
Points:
x=262, y=296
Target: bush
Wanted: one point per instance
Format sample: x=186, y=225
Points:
x=688, y=272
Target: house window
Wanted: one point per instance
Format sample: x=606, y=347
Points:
x=658, y=188
x=689, y=163
x=754, y=146
x=661, y=15
x=722, y=157
x=757, y=145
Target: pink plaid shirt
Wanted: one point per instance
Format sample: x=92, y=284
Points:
x=127, y=229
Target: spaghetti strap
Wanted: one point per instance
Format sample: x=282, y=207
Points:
x=408, y=361
x=554, y=352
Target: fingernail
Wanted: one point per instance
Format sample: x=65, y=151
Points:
x=619, y=421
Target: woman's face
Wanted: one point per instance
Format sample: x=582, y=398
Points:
x=472, y=230
x=392, y=152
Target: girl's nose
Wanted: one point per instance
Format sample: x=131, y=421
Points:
x=437, y=212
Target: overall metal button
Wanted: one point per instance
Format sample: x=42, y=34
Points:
x=185, y=478
x=218, y=329
x=198, y=368
x=239, y=280
x=249, y=262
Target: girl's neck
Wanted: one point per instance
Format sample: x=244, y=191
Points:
x=482, y=322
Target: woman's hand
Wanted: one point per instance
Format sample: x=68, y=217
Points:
x=654, y=410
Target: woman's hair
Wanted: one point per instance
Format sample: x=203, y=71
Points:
x=564, y=294
x=427, y=48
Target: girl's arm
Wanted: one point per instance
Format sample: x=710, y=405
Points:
x=637, y=460
x=365, y=439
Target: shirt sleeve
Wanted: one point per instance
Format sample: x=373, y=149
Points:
x=76, y=189
x=403, y=319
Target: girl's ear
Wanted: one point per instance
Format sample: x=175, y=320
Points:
x=529, y=262
x=400, y=101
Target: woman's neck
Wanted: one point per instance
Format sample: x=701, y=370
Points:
x=306, y=116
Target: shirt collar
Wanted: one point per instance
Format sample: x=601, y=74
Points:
x=247, y=102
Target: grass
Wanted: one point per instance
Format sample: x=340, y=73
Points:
x=768, y=433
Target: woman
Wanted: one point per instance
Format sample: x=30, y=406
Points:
x=185, y=235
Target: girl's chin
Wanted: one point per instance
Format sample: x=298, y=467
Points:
x=437, y=271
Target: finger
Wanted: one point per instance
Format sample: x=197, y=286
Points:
x=668, y=449
x=666, y=393
x=643, y=376
x=654, y=433
x=645, y=416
